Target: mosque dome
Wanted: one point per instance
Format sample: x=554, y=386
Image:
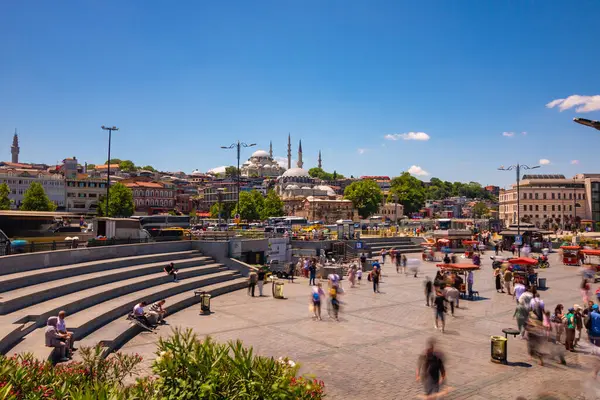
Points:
x=327, y=189
x=260, y=153
x=292, y=187
x=197, y=172
x=296, y=173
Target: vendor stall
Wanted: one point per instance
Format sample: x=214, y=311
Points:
x=459, y=269
x=570, y=255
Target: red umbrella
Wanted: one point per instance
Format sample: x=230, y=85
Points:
x=591, y=252
x=523, y=261
x=461, y=267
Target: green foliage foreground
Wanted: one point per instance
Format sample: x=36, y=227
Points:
x=185, y=368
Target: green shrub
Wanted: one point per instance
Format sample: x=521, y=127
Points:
x=188, y=368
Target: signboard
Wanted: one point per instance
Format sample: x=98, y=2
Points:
x=518, y=240
x=359, y=245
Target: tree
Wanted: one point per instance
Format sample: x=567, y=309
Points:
x=226, y=209
x=480, y=210
x=323, y=175
x=250, y=205
x=35, y=199
x=4, y=199
x=410, y=192
x=149, y=168
x=273, y=206
x=114, y=161
x=91, y=166
x=231, y=172
x=366, y=196
x=127, y=166
x=120, y=202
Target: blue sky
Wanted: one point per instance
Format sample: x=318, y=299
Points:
x=182, y=78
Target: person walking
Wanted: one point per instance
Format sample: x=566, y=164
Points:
x=451, y=294
x=383, y=254
x=428, y=290
x=508, y=276
x=571, y=325
x=316, y=296
x=404, y=262
x=518, y=290
x=578, y=324
x=352, y=275
x=398, y=262
x=312, y=270
x=496, y=247
x=430, y=369
x=521, y=314
x=252, y=280
x=470, y=281
x=440, y=309
x=498, y=276
x=558, y=321
x=375, y=275
x=359, y=275
x=260, y=275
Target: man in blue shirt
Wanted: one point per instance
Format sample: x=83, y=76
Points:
x=595, y=325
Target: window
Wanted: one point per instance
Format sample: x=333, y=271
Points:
x=524, y=196
x=537, y=208
x=162, y=194
x=530, y=207
x=579, y=196
x=553, y=208
x=544, y=196
x=537, y=215
x=536, y=196
x=570, y=196
x=147, y=193
x=559, y=207
x=530, y=196
x=553, y=195
x=544, y=208
x=559, y=196
x=92, y=195
x=570, y=208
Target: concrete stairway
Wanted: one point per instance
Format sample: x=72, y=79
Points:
x=97, y=294
x=401, y=244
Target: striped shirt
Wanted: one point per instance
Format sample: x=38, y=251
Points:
x=155, y=307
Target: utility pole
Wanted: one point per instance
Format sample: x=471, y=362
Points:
x=238, y=145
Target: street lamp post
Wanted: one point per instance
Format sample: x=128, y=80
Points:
x=109, y=129
x=220, y=202
x=238, y=145
x=396, y=210
x=588, y=122
x=517, y=168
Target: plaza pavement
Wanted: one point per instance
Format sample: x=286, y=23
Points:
x=371, y=352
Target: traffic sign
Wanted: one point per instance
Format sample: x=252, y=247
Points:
x=359, y=245
x=518, y=240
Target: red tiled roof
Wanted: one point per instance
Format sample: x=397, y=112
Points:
x=112, y=166
x=144, y=185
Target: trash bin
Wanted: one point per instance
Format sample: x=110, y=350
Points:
x=498, y=348
x=205, y=302
x=278, y=290
x=542, y=283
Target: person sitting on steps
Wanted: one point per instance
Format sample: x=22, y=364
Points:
x=56, y=339
x=170, y=270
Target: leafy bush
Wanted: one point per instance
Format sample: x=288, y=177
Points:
x=188, y=368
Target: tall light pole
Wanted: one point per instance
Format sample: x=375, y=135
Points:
x=517, y=168
x=238, y=145
x=109, y=129
x=588, y=122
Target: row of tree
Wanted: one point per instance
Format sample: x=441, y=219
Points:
x=253, y=207
x=125, y=165
x=411, y=192
x=34, y=199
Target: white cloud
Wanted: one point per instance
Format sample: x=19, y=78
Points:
x=282, y=161
x=361, y=151
x=574, y=162
x=508, y=134
x=422, y=136
x=524, y=133
x=417, y=171
x=582, y=104
x=544, y=161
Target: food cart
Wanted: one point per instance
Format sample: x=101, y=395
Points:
x=592, y=259
x=522, y=268
x=570, y=255
x=459, y=269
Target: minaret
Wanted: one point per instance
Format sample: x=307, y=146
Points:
x=271, y=149
x=289, y=151
x=14, y=149
x=300, y=163
x=320, y=164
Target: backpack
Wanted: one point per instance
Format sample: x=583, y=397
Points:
x=370, y=276
x=316, y=296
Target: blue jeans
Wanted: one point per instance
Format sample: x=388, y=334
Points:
x=313, y=279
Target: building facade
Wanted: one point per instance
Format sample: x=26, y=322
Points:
x=326, y=210
x=151, y=197
x=19, y=180
x=549, y=201
x=83, y=194
x=391, y=211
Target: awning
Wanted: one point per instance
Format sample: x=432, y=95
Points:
x=570, y=247
x=459, y=267
x=591, y=252
x=523, y=261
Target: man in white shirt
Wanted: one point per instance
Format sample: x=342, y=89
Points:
x=138, y=313
x=61, y=327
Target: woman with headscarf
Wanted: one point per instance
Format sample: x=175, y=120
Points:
x=56, y=339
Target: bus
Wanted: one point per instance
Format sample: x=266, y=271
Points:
x=165, y=221
x=444, y=224
x=288, y=221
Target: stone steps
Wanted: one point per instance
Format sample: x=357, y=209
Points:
x=92, y=318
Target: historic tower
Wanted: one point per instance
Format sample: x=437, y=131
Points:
x=300, y=163
x=271, y=149
x=289, y=151
x=14, y=149
x=320, y=164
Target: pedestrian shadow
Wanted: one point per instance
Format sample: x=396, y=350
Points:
x=518, y=364
x=205, y=313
